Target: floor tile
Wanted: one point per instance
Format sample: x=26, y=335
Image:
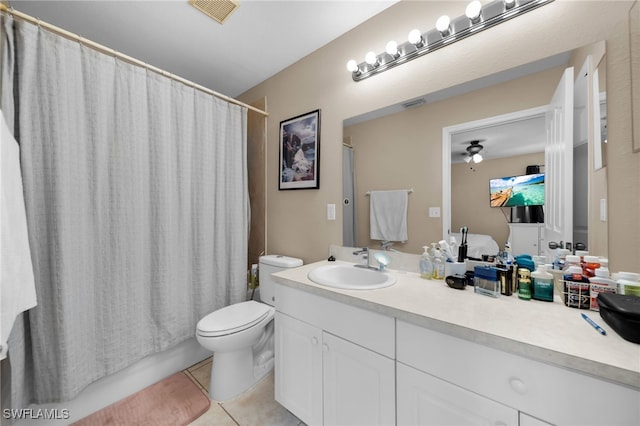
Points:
x=214, y=416
x=201, y=363
x=201, y=372
x=258, y=407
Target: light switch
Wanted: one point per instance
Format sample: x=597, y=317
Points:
x=434, y=211
x=603, y=209
x=331, y=212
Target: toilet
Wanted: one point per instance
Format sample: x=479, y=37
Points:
x=241, y=335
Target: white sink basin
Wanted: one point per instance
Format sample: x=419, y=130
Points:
x=350, y=277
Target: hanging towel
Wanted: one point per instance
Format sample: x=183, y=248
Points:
x=388, y=215
x=17, y=285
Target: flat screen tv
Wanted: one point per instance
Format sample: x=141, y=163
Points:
x=517, y=191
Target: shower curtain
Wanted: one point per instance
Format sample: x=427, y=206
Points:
x=136, y=198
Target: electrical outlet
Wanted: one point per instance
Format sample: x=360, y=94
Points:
x=434, y=211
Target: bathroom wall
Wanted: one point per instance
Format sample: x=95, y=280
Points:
x=296, y=220
x=470, y=194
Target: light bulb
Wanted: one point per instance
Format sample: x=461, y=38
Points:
x=443, y=25
x=371, y=58
x=477, y=158
x=392, y=48
x=467, y=159
x=473, y=11
x=352, y=65
x=415, y=37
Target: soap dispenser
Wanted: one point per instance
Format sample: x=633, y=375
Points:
x=426, y=267
x=438, y=265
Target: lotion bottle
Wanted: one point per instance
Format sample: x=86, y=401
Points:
x=426, y=267
x=542, y=282
x=438, y=265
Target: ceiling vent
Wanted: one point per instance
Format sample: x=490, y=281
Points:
x=414, y=103
x=219, y=10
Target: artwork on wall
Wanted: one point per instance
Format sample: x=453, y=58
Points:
x=300, y=152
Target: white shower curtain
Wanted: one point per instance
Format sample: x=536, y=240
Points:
x=136, y=197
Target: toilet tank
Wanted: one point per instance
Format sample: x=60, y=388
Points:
x=268, y=265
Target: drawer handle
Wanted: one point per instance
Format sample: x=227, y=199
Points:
x=518, y=385
x=325, y=347
x=314, y=340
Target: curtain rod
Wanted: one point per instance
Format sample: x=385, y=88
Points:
x=122, y=56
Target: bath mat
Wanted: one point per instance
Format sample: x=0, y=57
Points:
x=175, y=400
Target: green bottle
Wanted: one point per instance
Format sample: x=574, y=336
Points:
x=524, y=284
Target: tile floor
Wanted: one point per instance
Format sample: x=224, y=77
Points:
x=255, y=407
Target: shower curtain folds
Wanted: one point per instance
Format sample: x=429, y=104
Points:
x=136, y=198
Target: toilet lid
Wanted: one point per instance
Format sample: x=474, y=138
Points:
x=233, y=318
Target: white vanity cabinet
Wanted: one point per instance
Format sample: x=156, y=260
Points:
x=426, y=400
x=298, y=368
x=334, y=362
x=483, y=375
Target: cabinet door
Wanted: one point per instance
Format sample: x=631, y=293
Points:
x=525, y=239
x=298, y=368
x=359, y=384
x=527, y=420
x=426, y=400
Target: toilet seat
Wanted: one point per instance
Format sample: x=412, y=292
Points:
x=233, y=319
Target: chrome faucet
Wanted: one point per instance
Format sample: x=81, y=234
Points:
x=365, y=255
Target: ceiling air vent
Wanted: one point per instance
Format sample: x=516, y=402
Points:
x=414, y=103
x=218, y=10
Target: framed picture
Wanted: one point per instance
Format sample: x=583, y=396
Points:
x=300, y=152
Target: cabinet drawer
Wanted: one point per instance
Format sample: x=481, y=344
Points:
x=551, y=393
x=366, y=328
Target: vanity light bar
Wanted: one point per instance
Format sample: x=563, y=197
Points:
x=476, y=18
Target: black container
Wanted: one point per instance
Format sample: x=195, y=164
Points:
x=622, y=313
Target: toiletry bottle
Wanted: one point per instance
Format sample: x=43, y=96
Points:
x=438, y=265
x=576, y=285
x=560, y=259
x=629, y=283
x=542, y=283
x=524, y=284
x=508, y=256
x=426, y=267
x=589, y=265
x=600, y=283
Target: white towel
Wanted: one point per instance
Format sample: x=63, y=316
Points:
x=388, y=215
x=17, y=285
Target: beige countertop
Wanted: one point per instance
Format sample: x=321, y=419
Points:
x=543, y=331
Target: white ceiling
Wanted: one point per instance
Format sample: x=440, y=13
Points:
x=257, y=41
x=520, y=137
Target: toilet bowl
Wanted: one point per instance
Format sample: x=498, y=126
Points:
x=241, y=336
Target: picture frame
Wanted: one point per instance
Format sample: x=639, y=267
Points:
x=299, y=150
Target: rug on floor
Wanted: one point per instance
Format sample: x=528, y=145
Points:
x=176, y=400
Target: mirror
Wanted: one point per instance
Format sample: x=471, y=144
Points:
x=400, y=147
x=600, y=115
